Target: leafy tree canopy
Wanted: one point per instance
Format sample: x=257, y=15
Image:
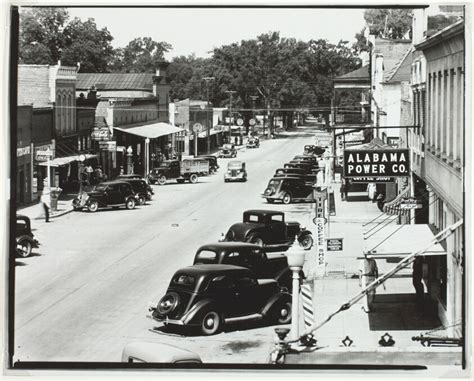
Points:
x=389, y=23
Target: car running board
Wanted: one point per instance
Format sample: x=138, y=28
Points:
x=241, y=318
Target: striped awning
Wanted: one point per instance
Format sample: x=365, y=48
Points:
x=393, y=207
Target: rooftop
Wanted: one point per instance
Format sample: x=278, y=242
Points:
x=402, y=71
x=361, y=74
x=115, y=81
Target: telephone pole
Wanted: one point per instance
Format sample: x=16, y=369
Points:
x=208, y=122
x=230, y=92
x=254, y=98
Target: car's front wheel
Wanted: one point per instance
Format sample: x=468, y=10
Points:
x=255, y=239
x=286, y=199
x=162, y=180
x=130, y=204
x=193, y=178
x=93, y=206
x=24, y=248
x=306, y=242
x=141, y=200
x=211, y=323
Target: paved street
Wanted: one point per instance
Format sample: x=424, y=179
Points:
x=85, y=294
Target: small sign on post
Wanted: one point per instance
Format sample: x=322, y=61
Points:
x=334, y=244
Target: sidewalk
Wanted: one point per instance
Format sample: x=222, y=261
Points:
x=395, y=310
x=36, y=211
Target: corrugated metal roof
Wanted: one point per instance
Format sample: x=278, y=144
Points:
x=115, y=81
x=392, y=51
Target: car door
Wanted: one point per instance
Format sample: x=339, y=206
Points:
x=113, y=194
x=174, y=169
x=277, y=229
x=245, y=297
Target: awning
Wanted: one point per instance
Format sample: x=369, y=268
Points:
x=151, y=131
x=203, y=134
x=60, y=161
x=393, y=207
x=398, y=241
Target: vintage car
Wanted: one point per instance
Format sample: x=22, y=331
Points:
x=213, y=166
x=310, y=178
x=161, y=353
x=25, y=239
x=110, y=193
x=313, y=150
x=211, y=296
x=247, y=255
x=308, y=167
x=235, y=171
x=228, y=150
x=288, y=189
x=267, y=228
x=181, y=171
x=253, y=143
x=309, y=159
x=141, y=188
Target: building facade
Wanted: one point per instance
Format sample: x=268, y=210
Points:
x=444, y=162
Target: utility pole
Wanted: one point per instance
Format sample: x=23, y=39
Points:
x=254, y=98
x=208, y=123
x=230, y=92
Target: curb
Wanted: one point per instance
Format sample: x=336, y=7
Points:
x=61, y=213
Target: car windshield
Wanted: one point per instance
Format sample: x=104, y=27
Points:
x=206, y=256
x=237, y=165
x=100, y=187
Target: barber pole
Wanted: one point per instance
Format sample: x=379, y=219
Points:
x=307, y=291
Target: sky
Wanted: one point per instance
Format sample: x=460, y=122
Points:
x=199, y=30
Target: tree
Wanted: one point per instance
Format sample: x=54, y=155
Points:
x=40, y=35
x=389, y=23
x=141, y=55
x=84, y=43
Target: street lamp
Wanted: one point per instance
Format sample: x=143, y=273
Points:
x=147, y=156
x=129, y=160
x=230, y=92
x=82, y=158
x=254, y=98
x=295, y=258
x=208, y=123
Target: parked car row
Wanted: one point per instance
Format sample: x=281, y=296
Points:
x=25, y=239
x=235, y=279
x=295, y=181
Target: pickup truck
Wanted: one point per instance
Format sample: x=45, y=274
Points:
x=265, y=266
x=185, y=170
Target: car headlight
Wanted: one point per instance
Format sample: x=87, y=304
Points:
x=302, y=227
x=229, y=172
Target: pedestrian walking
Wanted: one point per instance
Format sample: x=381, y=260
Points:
x=121, y=171
x=371, y=190
x=342, y=189
x=417, y=280
x=46, y=201
x=368, y=272
x=89, y=172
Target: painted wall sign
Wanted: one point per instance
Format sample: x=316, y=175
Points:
x=410, y=203
x=23, y=151
x=377, y=163
x=334, y=244
x=320, y=247
x=378, y=179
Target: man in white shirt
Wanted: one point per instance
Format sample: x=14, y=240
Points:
x=368, y=272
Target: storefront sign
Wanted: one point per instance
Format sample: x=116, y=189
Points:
x=23, y=151
x=380, y=163
x=102, y=133
x=319, y=198
x=45, y=152
x=410, y=203
x=378, y=179
x=320, y=247
x=110, y=145
x=334, y=244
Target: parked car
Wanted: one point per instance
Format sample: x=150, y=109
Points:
x=211, y=296
x=313, y=150
x=161, y=353
x=309, y=168
x=130, y=176
x=181, y=171
x=268, y=228
x=288, y=189
x=213, y=165
x=25, y=239
x=253, y=143
x=110, y=193
x=306, y=158
x=228, y=150
x=235, y=171
x=246, y=255
x=141, y=188
x=310, y=178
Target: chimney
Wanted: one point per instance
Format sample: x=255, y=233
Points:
x=419, y=25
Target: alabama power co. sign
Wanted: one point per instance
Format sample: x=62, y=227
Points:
x=376, y=165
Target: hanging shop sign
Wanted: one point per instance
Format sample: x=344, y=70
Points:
x=334, y=244
x=410, y=203
x=320, y=246
x=240, y=122
x=252, y=122
x=101, y=134
x=23, y=151
x=376, y=163
x=110, y=145
x=40, y=150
